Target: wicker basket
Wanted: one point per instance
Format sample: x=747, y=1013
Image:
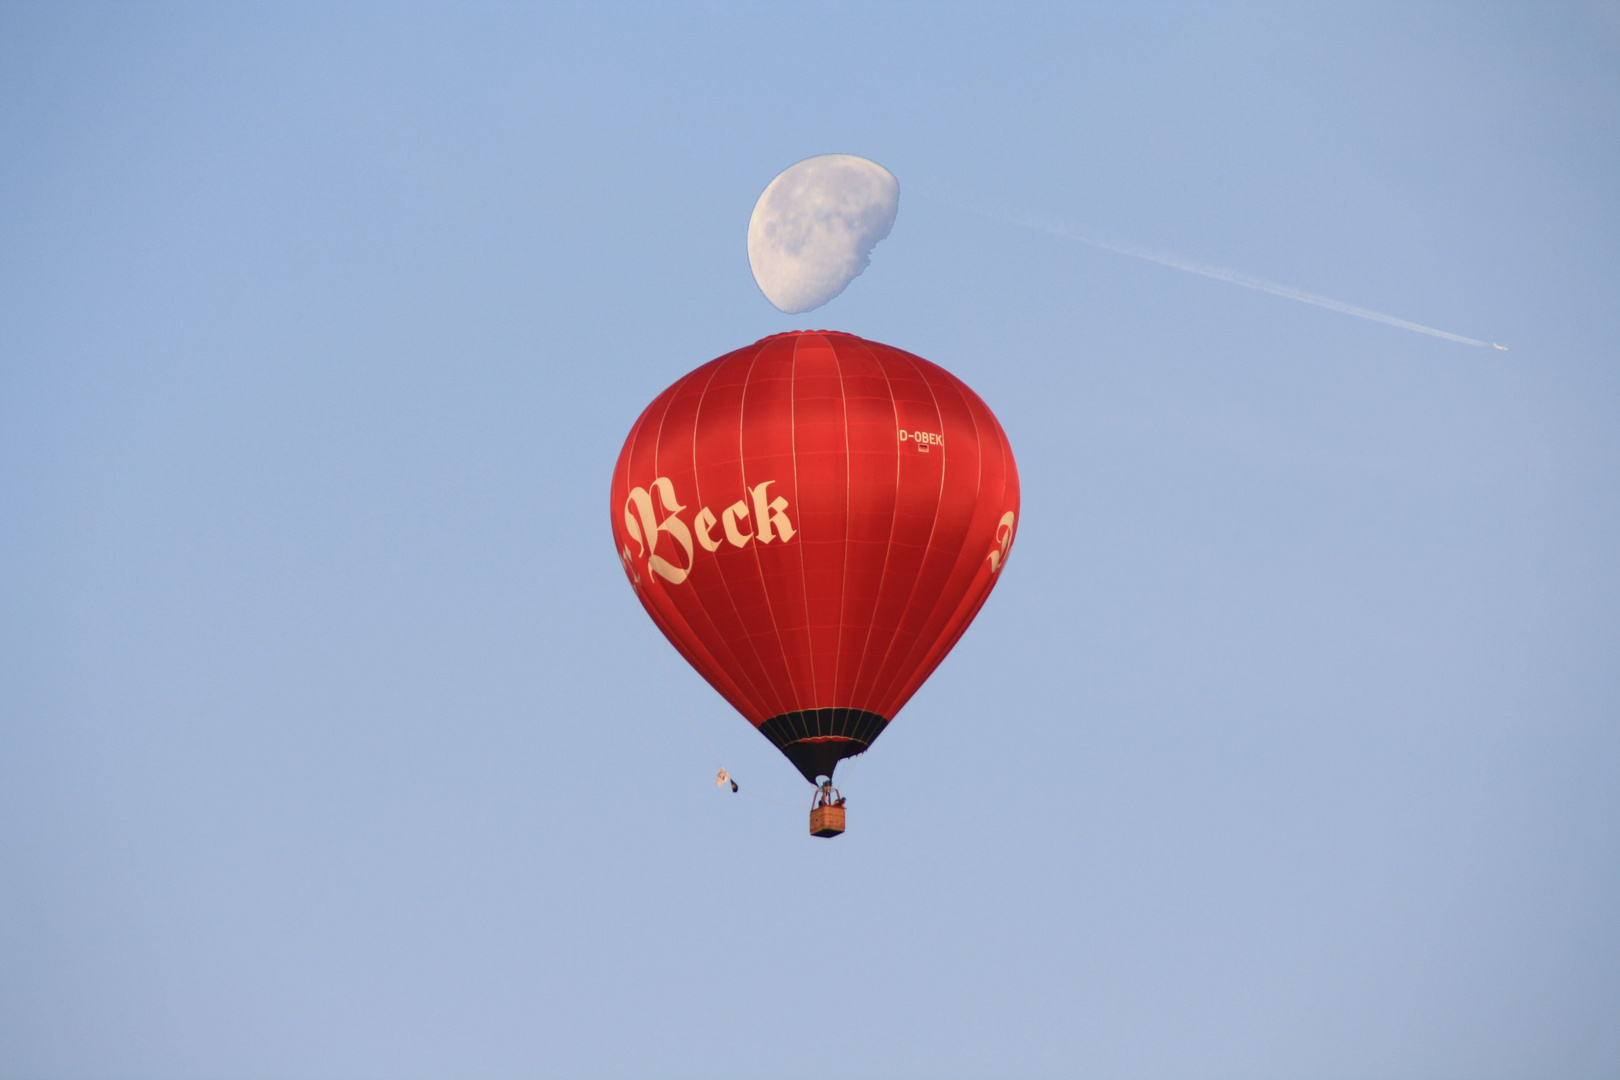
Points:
x=827, y=821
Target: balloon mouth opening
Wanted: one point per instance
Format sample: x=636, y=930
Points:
x=816, y=740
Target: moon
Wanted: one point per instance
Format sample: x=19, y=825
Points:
x=814, y=227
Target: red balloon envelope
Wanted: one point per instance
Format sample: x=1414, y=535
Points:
x=813, y=521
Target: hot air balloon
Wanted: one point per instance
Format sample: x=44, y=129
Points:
x=813, y=521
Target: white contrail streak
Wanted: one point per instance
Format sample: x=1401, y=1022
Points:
x=1070, y=231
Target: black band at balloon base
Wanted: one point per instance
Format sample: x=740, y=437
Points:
x=816, y=740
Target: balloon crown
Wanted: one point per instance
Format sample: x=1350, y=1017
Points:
x=797, y=333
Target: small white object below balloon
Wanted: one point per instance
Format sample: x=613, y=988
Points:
x=814, y=228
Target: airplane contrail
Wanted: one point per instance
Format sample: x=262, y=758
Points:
x=1071, y=231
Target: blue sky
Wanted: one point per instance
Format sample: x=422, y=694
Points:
x=332, y=743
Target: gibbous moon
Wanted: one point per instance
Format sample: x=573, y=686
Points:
x=814, y=228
